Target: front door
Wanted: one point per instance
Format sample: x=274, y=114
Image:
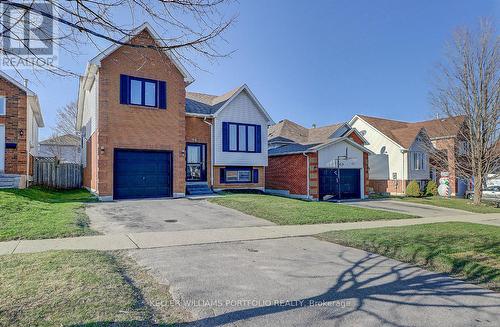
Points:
x=196, y=162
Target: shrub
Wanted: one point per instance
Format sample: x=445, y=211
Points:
x=431, y=188
x=413, y=189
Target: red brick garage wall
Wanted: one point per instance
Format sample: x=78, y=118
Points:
x=287, y=172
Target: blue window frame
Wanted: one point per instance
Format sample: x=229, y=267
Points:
x=143, y=92
x=237, y=137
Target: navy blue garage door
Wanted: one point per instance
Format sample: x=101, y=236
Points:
x=349, y=187
x=142, y=174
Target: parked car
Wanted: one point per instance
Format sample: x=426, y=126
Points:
x=491, y=193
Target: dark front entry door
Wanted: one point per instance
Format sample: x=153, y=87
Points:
x=142, y=174
x=196, y=162
x=345, y=186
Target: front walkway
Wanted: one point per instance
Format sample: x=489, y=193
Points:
x=149, y=240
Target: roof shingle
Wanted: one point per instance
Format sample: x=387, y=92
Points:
x=297, y=133
x=404, y=133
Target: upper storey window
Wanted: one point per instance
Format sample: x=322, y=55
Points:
x=143, y=92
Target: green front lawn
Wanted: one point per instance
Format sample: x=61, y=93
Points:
x=468, y=251
x=454, y=203
x=286, y=211
x=35, y=213
x=79, y=288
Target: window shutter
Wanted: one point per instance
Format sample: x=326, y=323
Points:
x=258, y=147
x=222, y=173
x=162, y=94
x=124, y=96
x=255, y=177
x=225, y=137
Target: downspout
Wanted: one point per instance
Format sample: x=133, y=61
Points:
x=307, y=174
x=211, y=150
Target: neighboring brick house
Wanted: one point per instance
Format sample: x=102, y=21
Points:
x=145, y=136
x=446, y=137
x=404, y=151
x=321, y=163
x=20, y=118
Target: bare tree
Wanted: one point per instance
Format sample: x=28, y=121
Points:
x=186, y=25
x=468, y=85
x=65, y=120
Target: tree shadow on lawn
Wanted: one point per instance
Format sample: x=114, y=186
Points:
x=403, y=285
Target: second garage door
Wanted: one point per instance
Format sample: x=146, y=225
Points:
x=142, y=174
x=349, y=188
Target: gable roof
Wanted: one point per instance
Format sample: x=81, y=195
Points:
x=32, y=97
x=297, y=148
x=66, y=139
x=188, y=78
x=442, y=127
x=404, y=133
x=289, y=130
x=206, y=104
x=211, y=105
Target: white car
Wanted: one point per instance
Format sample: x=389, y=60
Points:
x=491, y=193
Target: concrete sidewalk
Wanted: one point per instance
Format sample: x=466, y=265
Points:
x=150, y=240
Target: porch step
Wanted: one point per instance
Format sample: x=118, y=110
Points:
x=198, y=189
x=9, y=181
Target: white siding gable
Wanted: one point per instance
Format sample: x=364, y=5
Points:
x=421, y=145
x=380, y=143
x=242, y=109
x=327, y=156
x=89, y=116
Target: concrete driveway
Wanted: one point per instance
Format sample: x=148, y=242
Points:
x=308, y=282
x=165, y=215
x=417, y=209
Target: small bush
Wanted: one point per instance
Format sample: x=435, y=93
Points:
x=431, y=189
x=413, y=189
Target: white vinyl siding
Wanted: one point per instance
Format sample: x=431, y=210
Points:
x=392, y=163
x=242, y=110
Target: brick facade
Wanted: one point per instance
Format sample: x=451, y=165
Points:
x=219, y=185
x=289, y=172
x=279, y=170
x=90, y=169
x=15, y=122
x=134, y=127
x=388, y=186
x=313, y=175
x=198, y=131
x=448, y=146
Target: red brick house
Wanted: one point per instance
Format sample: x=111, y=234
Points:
x=144, y=135
x=20, y=118
x=405, y=151
x=320, y=163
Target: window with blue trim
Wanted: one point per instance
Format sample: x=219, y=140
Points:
x=234, y=174
x=143, y=92
x=237, y=137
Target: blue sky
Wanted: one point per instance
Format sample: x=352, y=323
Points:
x=319, y=61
